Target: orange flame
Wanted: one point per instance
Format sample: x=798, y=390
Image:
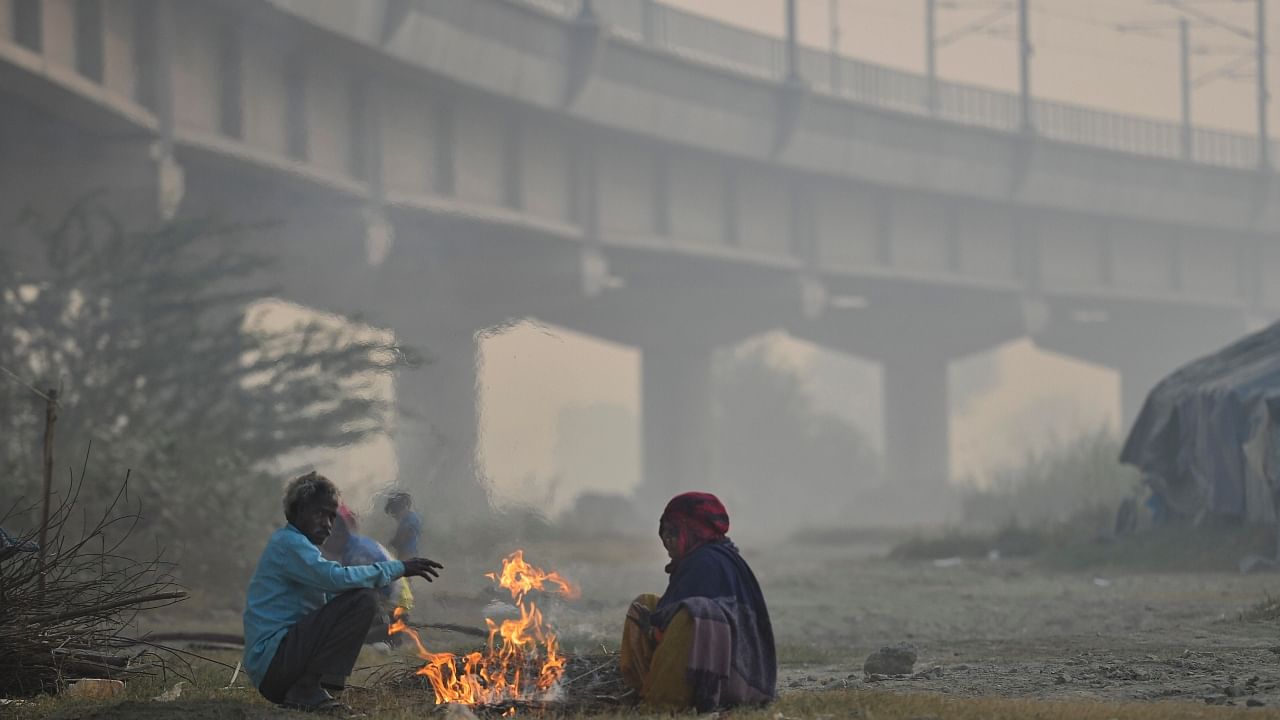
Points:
x=522, y=659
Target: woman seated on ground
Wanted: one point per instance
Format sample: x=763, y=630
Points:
x=707, y=643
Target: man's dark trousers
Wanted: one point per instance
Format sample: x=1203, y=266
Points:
x=324, y=644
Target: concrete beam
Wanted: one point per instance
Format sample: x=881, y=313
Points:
x=1144, y=342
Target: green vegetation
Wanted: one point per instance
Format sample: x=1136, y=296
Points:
x=1076, y=484
x=146, y=332
x=1059, y=507
x=776, y=450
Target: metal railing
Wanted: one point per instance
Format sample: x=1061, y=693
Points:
x=707, y=40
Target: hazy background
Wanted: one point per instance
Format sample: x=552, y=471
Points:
x=1119, y=55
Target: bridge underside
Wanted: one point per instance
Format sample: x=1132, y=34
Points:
x=440, y=211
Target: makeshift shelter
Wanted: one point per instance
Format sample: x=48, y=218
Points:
x=1208, y=436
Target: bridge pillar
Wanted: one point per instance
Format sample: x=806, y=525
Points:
x=917, y=433
x=437, y=428
x=676, y=421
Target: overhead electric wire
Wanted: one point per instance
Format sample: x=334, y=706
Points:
x=979, y=25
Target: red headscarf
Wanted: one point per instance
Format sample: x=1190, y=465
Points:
x=348, y=517
x=698, y=518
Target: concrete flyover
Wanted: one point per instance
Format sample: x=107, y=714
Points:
x=642, y=175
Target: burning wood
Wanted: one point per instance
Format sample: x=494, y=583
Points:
x=522, y=662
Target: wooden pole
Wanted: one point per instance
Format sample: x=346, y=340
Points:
x=50, y=417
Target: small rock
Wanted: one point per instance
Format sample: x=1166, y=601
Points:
x=1254, y=702
x=896, y=660
x=1234, y=691
x=1215, y=699
x=959, y=668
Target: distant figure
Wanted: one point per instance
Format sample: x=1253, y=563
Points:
x=707, y=643
x=347, y=547
x=408, y=525
x=306, y=617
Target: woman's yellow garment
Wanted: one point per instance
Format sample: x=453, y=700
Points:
x=657, y=669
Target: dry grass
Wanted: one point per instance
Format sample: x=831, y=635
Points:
x=1267, y=608
x=206, y=696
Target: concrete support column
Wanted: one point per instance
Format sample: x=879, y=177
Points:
x=677, y=422
x=917, y=442
x=437, y=429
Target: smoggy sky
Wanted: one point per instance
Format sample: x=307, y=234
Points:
x=1080, y=54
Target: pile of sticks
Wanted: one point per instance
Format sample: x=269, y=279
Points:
x=64, y=606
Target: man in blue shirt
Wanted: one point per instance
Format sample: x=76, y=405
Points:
x=408, y=525
x=305, y=617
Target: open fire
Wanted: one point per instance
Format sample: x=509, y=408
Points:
x=522, y=660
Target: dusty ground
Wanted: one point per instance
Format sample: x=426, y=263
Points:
x=982, y=628
x=1007, y=628
x=1002, y=627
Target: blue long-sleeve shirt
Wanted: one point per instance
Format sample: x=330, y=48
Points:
x=293, y=579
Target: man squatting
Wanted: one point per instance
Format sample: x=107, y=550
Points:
x=306, y=617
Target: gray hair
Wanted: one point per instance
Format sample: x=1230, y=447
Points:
x=305, y=490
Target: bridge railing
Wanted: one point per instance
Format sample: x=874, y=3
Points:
x=707, y=40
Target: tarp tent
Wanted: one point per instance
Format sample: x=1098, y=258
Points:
x=1208, y=436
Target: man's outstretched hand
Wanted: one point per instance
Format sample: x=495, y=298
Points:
x=422, y=567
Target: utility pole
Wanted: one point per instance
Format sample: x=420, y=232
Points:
x=1264, y=137
x=1184, y=63
x=793, y=58
x=833, y=19
x=1024, y=62
x=931, y=52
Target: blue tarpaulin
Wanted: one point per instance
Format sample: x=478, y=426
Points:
x=1208, y=436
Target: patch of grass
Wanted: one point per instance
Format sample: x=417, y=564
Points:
x=1267, y=608
x=1075, y=483
x=1010, y=541
x=1172, y=548
x=794, y=706
x=854, y=535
